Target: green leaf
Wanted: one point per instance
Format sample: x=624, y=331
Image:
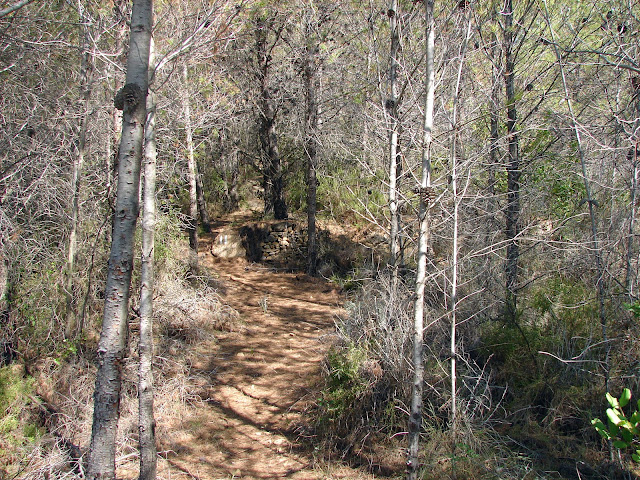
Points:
x=625, y=425
x=636, y=456
x=613, y=416
x=601, y=428
x=613, y=401
x=625, y=397
x=626, y=435
x=620, y=444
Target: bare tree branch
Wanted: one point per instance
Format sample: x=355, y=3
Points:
x=14, y=7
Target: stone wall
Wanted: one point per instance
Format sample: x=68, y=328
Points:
x=284, y=239
x=283, y=243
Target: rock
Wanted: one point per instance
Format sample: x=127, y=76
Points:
x=228, y=244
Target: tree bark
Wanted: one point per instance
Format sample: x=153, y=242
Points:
x=192, y=226
x=273, y=179
x=513, y=172
x=311, y=141
x=425, y=189
x=394, y=157
x=205, y=221
x=146, y=419
x=111, y=156
x=113, y=338
x=71, y=320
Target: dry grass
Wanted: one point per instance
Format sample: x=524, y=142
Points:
x=377, y=331
x=191, y=313
x=187, y=310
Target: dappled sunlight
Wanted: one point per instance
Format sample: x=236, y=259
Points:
x=261, y=379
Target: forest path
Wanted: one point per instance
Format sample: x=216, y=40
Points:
x=264, y=378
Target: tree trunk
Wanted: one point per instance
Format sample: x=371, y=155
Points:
x=146, y=420
x=311, y=141
x=113, y=338
x=273, y=180
x=394, y=157
x=232, y=198
x=633, y=195
x=111, y=156
x=202, y=204
x=513, y=172
x=457, y=199
x=192, y=227
x=5, y=287
x=633, y=192
x=71, y=320
x=425, y=190
x=494, y=118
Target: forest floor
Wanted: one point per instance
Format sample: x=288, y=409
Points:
x=264, y=377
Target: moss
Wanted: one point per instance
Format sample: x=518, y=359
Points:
x=14, y=388
x=16, y=424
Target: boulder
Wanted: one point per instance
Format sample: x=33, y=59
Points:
x=228, y=244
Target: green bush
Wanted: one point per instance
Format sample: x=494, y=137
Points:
x=345, y=383
x=345, y=193
x=37, y=310
x=623, y=431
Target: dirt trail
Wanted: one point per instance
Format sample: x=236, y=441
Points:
x=263, y=379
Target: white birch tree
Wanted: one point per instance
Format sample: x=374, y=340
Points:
x=131, y=99
x=391, y=107
x=146, y=419
x=85, y=95
x=425, y=191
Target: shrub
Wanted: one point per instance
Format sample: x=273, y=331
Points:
x=345, y=382
x=366, y=374
x=622, y=430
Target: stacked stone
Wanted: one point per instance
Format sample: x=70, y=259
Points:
x=284, y=239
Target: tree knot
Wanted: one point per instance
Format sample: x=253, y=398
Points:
x=427, y=194
x=128, y=97
x=390, y=104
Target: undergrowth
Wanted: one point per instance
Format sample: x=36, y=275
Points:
x=19, y=425
x=509, y=417
x=365, y=371
x=46, y=411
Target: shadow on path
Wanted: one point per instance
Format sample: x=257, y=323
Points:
x=261, y=380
